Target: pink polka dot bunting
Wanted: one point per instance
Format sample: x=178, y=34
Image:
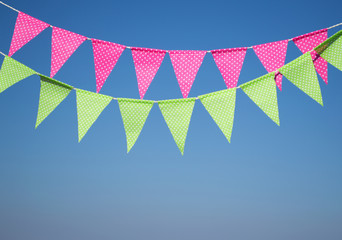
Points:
x=64, y=44
x=229, y=62
x=147, y=62
x=272, y=56
x=106, y=54
x=26, y=28
x=186, y=64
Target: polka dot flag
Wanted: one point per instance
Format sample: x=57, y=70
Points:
x=134, y=113
x=26, y=28
x=12, y=72
x=301, y=72
x=177, y=114
x=89, y=107
x=52, y=93
x=263, y=92
x=221, y=107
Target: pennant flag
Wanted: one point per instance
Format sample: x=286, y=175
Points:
x=64, y=44
x=186, y=65
x=106, y=54
x=221, y=107
x=301, y=72
x=263, y=92
x=26, y=28
x=89, y=107
x=229, y=62
x=52, y=93
x=177, y=114
x=12, y=72
x=272, y=56
x=134, y=113
x=308, y=42
x=147, y=62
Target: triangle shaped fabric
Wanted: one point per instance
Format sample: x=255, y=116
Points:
x=64, y=44
x=26, y=28
x=106, y=55
x=301, y=72
x=52, y=93
x=263, y=92
x=186, y=64
x=221, y=107
x=12, y=72
x=177, y=114
x=89, y=107
x=272, y=56
x=134, y=113
x=147, y=62
x=229, y=62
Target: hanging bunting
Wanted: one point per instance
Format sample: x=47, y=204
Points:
x=272, y=56
x=186, y=64
x=64, y=44
x=301, y=72
x=134, y=113
x=221, y=107
x=263, y=92
x=177, y=114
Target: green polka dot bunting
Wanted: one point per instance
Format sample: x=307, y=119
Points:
x=221, y=107
x=52, y=93
x=134, y=113
x=177, y=114
x=12, y=72
x=263, y=92
x=89, y=107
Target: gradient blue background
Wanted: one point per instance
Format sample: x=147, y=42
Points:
x=269, y=183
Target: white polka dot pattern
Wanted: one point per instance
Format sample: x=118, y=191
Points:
x=64, y=44
x=186, y=64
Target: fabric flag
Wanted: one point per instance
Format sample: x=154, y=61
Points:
x=272, y=56
x=221, y=107
x=52, y=93
x=64, y=44
x=263, y=92
x=106, y=54
x=134, y=113
x=26, y=28
x=89, y=107
x=301, y=72
x=229, y=62
x=12, y=72
x=177, y=114
x=186, y=64
x=147, y=62
x=308, y=42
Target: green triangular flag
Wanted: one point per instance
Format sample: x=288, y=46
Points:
x=331, y=50
x=134, y=113
x=177, y=114
x=12, y=72
x=301, y=72
x=221, y=107
x=263, y=92
x=52, y=93
x=89, y=107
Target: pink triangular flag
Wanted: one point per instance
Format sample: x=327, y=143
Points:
x=147, y=62
x=106, y=54
x=229, y=62
x=26, y=28
x=308, y=42
x=186, y=64
x=272, y=56
x=64, y=44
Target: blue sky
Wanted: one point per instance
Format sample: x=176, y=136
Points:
x=270, y=183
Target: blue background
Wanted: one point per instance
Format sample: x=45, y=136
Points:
x=269, y=183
